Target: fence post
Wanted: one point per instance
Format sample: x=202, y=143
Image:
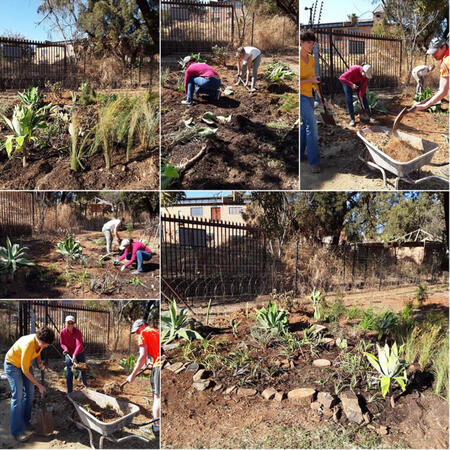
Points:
x=296, y=269
x=400, y=62
x=330, y=41
x=232, y=24
x=253, y=27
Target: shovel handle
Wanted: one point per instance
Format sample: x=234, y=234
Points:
x=142, y=370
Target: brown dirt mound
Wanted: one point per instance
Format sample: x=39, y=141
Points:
x=112, y=388
x=107, y=414
x=394, y=147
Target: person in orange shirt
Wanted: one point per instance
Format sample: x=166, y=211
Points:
x=149, y=345
x=438, y=48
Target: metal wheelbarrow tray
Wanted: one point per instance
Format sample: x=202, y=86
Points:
x=91, y=423
x=382, y=161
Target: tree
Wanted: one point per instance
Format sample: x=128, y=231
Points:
x=138, y=202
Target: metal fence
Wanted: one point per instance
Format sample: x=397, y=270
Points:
x=26, y=63
x=16, y=214
x=195, y=26
x=340, y=50
x=205, y=258
x=93, y=323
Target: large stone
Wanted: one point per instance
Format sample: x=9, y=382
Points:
x=351, y=407
x=302, y=395
x=329, y=342
x=175, y=366
x=321, y=363
x=327, y=413
x=315, y=406
x=245, y=392
x=269, y=393
x=192, y=367
x=202, y=385
x=202, y=374
x=218, y=387
x=279, y=396
x=229, y=390
x=326, y=399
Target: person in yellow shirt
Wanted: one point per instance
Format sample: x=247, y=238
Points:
x=19, y=371
x=438, y=48
x=309, y=139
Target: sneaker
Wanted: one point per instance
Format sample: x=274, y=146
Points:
x=186, y=102
x=135, y=272
x=315, y=169
x=371, y=120
x=155, y=429
x=23, y=437
x=352, y=123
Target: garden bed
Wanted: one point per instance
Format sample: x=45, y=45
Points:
x=257, y=149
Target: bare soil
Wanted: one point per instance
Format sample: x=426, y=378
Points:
x=49, y=166
x=394, y=147
x=107, y=414
x=49, y=279
x=66, y=434
x=210, y=419
x=340, y=147
x=246, y=152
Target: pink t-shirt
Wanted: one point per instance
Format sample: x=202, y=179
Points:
x=352, y=76
x=198, y=70
x=71, y=343
x=135, y=246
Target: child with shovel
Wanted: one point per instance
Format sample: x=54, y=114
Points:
x=19, y=371
x=71, y=341
x=356, y=77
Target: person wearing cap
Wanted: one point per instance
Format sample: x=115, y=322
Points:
x=199, y=78
x=71, y=341
x=248, y=59
x=111, y=230
x=19, y=372
x=420, y=74
x=134, y=251
x=438, y=48
x=149, y=345
x=356, y=77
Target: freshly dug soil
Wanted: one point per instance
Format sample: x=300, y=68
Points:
x=81, y=366
x=394, y=147
x=112, y=388
x=108, y=414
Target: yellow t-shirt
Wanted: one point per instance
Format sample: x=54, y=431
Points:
x=22, y=353
x=307, y=70
x=445, y=66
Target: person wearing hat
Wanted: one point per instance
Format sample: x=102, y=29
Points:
x=438, y=48
x=199, y=78
x=71, y=341
x=420, y=74
x=134, y=251
x=19, y=372
x=356, y=77
x=111, y=230
x=248, y=59
x=149, y=345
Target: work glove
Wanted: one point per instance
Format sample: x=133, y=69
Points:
x=123, y=268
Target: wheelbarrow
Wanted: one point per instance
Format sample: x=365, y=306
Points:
x=90, y=423
x=383, y=162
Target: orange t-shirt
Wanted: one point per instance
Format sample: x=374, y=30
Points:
x=150, y=337
x=445, y=65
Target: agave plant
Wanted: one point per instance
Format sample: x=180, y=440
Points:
x=70, y=249
x=272, y=318
x=175, y=325
x=318, y=303
x=12, y=256
x=391, y=369
x=31, y=98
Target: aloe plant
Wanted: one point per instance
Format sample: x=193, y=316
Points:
x=175, y=325
x=318, y=303
x=70, y=249
x=12, y=256
x=279, y=72
x=272, y=318
x=391, y=369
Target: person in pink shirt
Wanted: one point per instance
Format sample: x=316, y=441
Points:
x=134, y=251
x=71, y=341
x=356, y=77
x=200, y=79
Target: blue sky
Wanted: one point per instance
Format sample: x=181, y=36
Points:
x=337, y=10
x=20, y=16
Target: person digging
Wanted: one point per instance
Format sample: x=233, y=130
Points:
x=356, y=78
x=420, y=75
x=199, y=78
x=19, y=372
x=71, y=341
x=248, y=60
x=111, y=231
x=149, y=346
x=133, y=251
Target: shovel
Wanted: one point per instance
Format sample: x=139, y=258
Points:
x=79, y=365
x=364, y=115
x=326, y=116
x=240, y=80
x=44, y=418
x=126, y=381
x=404, y=111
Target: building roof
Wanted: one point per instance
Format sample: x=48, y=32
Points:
x=378, y=9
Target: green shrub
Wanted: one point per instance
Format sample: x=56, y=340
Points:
x=278, y=73
x=128, y=363
x=335, y=311
x=440, y=370
x=421, y=294
x=354, y=313
x=87, y=94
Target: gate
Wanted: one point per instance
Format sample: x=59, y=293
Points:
x=93, y=323
x=339, y=50
x=203, y=259
x=26, y=63
x=195, y=26
x=16, y=214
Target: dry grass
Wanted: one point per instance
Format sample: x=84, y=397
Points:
x=273, y=34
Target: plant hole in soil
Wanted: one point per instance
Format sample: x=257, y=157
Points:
x=106, y=414
x=393, y=146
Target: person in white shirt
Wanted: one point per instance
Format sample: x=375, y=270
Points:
x=111, y=230
x=248, y=59
x=420, y=74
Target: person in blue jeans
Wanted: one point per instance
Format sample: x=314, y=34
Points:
x=134, y=251
x=19, y=372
